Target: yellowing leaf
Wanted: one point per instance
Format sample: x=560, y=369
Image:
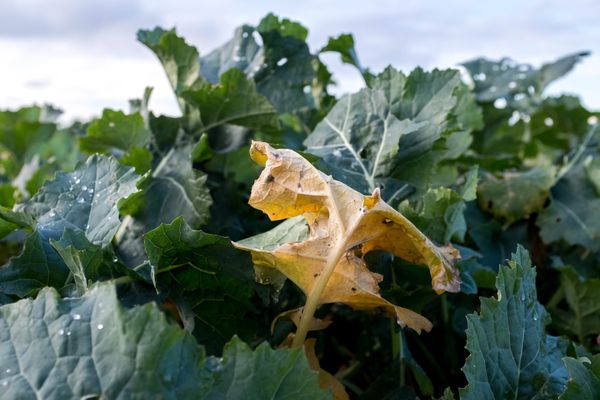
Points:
x=344, y=225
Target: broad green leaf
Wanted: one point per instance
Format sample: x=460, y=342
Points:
x=85, y=200
x=584, y=378
x=179, y=59
x=508, y=79
x=115, y=129
x=582, y=318
x=440, y=212
x=139, y=158
x=389, y=129
x=262, y=374
x=37, y=266
x=70, y=348
x=233, y=100
x=22, y=133
x=344, y=46
x=282, y=66
x=516, y=195
x=359, y=139
x=88, y=262
x=572, y=214
x=174, y=189
x=208, y=276
x=511, y=356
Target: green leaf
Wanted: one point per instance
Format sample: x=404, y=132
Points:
x=233, y=100
x=179, y=59
x=511, y=356
x=175, y=189
x=344, y=46
x=23, y=132
x=440, y=212
x=516, y=195
x=75, y=344
x=282, y=67
x=38, y=265
x=263, y=374
x=507, y=79
x=206, y=274
x=584, y=378
x=85, y=200
x=139, y=158
x=571, y=215
x=582, y=317
x=115, y=129
x=389, y=129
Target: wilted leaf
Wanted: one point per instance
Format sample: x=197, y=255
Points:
x=341, y=221
x=511, y=355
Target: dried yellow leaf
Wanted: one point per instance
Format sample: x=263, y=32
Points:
x=344, y=225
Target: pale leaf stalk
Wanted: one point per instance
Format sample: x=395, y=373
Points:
x=312, y=300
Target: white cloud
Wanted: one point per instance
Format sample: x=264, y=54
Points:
x=82, y=56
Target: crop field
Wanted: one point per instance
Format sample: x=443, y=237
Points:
x=434, y=235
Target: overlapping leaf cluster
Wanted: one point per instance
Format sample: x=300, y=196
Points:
x=120, y=277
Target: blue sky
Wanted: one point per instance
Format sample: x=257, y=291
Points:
x=82, y=56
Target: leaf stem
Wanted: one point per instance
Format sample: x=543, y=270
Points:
x=313, y=298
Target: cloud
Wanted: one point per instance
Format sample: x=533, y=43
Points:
x=83, y=56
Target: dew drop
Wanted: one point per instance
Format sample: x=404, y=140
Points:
x=91, y=190
x=111, y=124
x=80, y=200
x=236, y=58
x=115, y=259
x=519, y=96
x=337, y=153
x=548, y=121
x=77, y=180
x=245, y=34
x=522, y=297
x=480, y=76
x=531, y=90
x=8, y=370
x=52, y=213
x=306, y=89
x=592, y=120
x=100, y=327
x=61, y=332
x=282, y=62
x=76, y=317
x=535, y=317
x=87, y=226
x=5, y=383
x=493, y=89
x=512, y=85
x=526, y=118
x=500, y=103
x=68, y=333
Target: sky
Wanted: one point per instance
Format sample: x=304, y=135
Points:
x=82, y=56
